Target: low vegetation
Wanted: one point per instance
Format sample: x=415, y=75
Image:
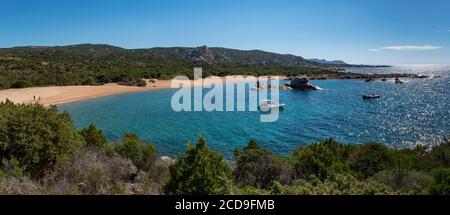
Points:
x=41, y=152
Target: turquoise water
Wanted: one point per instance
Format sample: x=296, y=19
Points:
x=416, y=112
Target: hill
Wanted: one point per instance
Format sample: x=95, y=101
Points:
x=215, y=55
x=85, y=64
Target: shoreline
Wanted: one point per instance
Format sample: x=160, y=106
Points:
x=56, y=95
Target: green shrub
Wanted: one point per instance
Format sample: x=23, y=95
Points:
x=12, y=167
x=36, y=136
x=404, y=181
x=258, y=167
x=369, y=158
x=199, y=171
x=408, y=159
x=93, y=136
x=339, y=185
x=441, y=183
x=141, y=83
x=313, y=160
x=248, y=190
x=441, y=153
x=341, y=151
x=132, y=81
x=21, y=84
x=141, y=153
x=321, y=160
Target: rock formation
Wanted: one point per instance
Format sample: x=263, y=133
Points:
x=302, y=83
x=201, y=53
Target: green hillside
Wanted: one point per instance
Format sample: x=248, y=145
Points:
x=98, y=64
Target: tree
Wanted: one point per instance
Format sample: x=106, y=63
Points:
x=141, y=153
x=322, y=160
x=198, y=171
x=21, y=84
x=369, y=158
x=36, y=136
x=441, y=153
x=314, y=160
x=441, y=184
x=93, y=136
x=258, y=167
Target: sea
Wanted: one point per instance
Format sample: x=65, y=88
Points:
x=415, y=112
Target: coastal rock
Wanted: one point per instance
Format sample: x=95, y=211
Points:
x=302, y=83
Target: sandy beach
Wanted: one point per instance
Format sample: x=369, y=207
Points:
x=54, y=95
x=62, y=94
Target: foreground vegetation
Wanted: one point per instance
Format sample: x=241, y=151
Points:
x=41, y=152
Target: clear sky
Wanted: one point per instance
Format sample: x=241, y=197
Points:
x=356, y=31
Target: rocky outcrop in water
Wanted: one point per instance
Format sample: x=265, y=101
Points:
x=302, y=83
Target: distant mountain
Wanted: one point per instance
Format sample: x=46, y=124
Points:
x=333, y=62
x=216, y=55
x=202, y=54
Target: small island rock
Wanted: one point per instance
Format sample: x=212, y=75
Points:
x=302, y=83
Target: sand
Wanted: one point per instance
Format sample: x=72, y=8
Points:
x=55, y=95
x=63, y=94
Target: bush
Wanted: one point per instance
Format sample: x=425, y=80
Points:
x=93, y=172
x=404, y=181
x=340, y=185
x=441, y=183
x=93, y=137
x=141, y=83
x=369, y=158
x=20, y=186
x=321, y=160
x=341, y=151
x=198, y=171
x=409, y=159
x=258, y=167
x=12, y=168
x=133, y=82
x=141, y=153
x=313, y=160
x=248, y=190
x=21, y=84
x=441, y=153
x=36, y=137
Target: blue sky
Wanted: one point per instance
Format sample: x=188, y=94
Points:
x=357, y=31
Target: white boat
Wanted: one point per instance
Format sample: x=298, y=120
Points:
x=267, y=105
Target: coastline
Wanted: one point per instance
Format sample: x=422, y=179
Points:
x=55, y=95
